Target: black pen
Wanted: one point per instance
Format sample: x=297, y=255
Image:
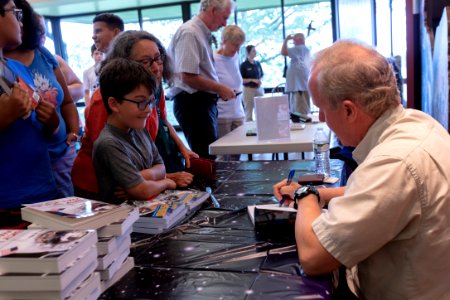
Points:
x=289, y=180
x=237, y=93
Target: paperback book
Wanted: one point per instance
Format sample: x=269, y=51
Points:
x=126, y=266
x=66, y=281
x=273, y=223
x=41, y=250
x=114, y=267
x=104, y=261
x=90, y=288
x=120, y=227
x=108, y=244
x=167, y=210
x=73, y=213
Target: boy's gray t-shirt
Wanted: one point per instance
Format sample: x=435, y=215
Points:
x=119, y=157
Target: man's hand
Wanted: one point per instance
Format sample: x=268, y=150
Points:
x=225, y=93
x=282, y=190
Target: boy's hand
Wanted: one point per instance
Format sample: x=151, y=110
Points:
x=182, y=179
x=170, y=184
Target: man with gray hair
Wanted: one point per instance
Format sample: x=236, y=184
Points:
x=390, y=226
x=196, y=88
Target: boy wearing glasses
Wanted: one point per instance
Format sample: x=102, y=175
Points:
x=126, y=160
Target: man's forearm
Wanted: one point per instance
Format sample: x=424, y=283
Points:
x=200, y=82
x=326, y=194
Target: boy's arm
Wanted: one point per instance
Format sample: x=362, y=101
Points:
x=156, y=172
x=149, y=188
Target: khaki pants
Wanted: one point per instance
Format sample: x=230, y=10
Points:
x=300, y=102
x=223, y=127
x=249, y=103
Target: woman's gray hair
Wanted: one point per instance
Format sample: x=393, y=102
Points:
x=123, y=44
x=350, y=70
x=220, y=4
x=233, y=33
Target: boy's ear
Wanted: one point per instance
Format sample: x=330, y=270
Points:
x=113, y=104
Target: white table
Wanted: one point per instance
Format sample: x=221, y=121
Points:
x=236, y=142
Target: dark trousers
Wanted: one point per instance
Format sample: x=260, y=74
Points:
x=197, y=115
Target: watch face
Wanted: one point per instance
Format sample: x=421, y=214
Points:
x=302, y=189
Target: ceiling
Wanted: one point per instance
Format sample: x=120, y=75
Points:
x=76, y=7
x=64, y=8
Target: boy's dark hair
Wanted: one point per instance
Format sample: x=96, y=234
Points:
x=121, y=76
x=32, y=30
x=93, y=48
x=112, y=21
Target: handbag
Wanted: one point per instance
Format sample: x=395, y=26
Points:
x=168, y=150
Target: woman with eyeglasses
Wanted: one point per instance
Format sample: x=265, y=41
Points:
x=51, y=86
x=25, y=172
x=146, y=49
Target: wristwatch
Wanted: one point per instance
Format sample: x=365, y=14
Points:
x=304, y=191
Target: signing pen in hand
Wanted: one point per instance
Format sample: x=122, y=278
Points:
x=289, y=180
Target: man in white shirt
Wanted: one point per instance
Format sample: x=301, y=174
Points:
x=390, y=226
x=196, y=88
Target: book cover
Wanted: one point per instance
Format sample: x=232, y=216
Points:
x=161, y=210
x=273, y=223
x=73, y=213
x=194, y=199
x=66, y=281
x=41, y=250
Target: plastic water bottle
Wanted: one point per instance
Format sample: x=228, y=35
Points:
x=321, y=145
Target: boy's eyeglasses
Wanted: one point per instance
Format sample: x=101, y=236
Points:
x=16, y=11
x=148, y=62
x=142, y=105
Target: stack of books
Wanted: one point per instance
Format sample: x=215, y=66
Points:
x=167, y=210
x=113, y=249
x=48, y=264
x=113, y=225
x=73, y=213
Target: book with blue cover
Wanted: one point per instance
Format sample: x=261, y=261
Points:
x=167, y=209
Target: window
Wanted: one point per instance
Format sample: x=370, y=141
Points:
x=263, y=29
x=163, y=22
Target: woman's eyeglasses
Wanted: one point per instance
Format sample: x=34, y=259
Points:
x=148, y=62
x=142, y=105
x=16, y=11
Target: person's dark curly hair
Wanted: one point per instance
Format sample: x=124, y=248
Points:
x=32, y=30
x=2, y=6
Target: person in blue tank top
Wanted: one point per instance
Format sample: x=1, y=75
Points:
x=25, y=170
x=51, y=86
